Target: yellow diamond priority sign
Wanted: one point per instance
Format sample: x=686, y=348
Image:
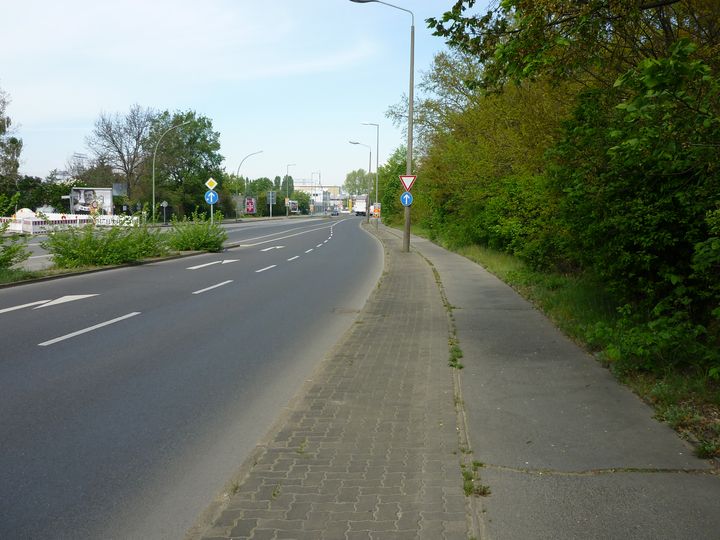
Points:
x=211, y=183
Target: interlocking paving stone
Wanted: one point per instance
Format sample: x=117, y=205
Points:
x=370, y=450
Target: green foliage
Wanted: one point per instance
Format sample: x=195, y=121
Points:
x=517, y=40
x=186, y=158
x=197, y=233
x=641, y=195
x=12, y=248
x=358, y=182
x=92, y=246
x=390, y=187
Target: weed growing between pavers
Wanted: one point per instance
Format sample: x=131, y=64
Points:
x=471, y=481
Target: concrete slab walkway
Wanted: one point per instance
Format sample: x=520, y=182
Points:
x=568, y=451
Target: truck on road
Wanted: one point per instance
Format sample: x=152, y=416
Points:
x=360, y=206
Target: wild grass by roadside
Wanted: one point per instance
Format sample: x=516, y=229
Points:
x=687, y=399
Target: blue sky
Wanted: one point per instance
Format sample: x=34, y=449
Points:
x=294, y=78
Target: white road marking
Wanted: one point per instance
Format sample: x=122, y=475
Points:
x=226, y=261
x=203, y=265
x=63, y=299
x=309, y=250
x=293, y=258
x=213, y=287
x=266, y=268
x=23, y=306
x=273, y=247
x=319, y=245
x=90, y=329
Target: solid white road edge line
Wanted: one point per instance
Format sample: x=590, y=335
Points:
x=213, y=287
x=90, y=329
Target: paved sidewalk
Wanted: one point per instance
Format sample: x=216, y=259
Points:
x=370, y=449
x=568, y=451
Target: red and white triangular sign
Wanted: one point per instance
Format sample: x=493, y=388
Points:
x=407, y=181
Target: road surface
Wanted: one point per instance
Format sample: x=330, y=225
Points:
x=129, y=397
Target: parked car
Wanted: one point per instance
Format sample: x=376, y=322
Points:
x=335, y=213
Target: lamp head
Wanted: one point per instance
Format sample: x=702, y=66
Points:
x=363, y=1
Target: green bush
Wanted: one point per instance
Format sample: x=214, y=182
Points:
x=91, y=246
x=197, y=233
x=12, y=248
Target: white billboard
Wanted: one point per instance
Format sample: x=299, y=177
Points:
x=89, y=200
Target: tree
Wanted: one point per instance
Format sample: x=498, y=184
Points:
x=593, y=40
x=10, y=148
x=187, y=157
x=122, y=142
x=358, y=182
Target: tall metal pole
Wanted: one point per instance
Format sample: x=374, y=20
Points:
x=408, y=168
x=367, y=197
x=377, y=161
x=153, y=163
x=237, y=173
x=287, y=188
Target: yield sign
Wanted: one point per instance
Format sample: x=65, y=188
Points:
x=407, y=181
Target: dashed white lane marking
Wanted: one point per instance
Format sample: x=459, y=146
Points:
x=213, y=287
x=319, y=245
x=309, y=250
x=86, y=330
x=293, y=258
x=266, y=268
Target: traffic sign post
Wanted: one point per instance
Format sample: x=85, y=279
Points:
x=211, y=198
x=407, y=181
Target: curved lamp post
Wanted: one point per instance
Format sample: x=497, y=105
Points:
x=408, y=169
x=377, y=160
x=237, y=173
x=287, y=188
x=168, y=130
x=367, y=198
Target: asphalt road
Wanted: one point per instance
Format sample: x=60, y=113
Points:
x=129, y=397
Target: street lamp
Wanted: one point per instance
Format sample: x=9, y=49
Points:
x=367, y=198
x=287, y=188
x=377, y=160
x=312, y=194
x=237, y=174
x=408, y=167
x=168, y=130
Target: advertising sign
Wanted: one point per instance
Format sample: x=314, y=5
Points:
x=250, y=205
x=88, y=200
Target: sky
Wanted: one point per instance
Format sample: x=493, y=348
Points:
x=293, y=78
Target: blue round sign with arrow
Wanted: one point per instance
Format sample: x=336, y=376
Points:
x=211, y=197
x=406, y=199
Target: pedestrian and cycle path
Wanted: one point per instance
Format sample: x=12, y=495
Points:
x=373, y=445
x=568, y=452
x=369, y=449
